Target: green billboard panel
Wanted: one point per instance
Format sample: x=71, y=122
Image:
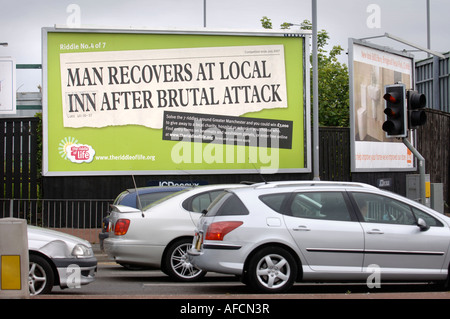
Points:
x=164, y=102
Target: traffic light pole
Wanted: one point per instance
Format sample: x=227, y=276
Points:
x=421, y=168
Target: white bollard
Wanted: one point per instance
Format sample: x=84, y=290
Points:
x=14, y=264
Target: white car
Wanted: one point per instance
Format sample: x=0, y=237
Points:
x=60, y=259
x=161, y=234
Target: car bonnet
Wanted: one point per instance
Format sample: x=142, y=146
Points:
x=39, y=237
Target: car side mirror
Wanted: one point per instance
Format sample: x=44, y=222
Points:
x=422, y=224
x=204, y=212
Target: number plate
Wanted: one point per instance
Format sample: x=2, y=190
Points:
x=198, y=241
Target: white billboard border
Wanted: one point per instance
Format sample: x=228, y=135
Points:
x=303, y=34
x=12, y=81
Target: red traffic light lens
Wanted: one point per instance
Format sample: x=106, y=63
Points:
x=390, y=98
x=390, y=112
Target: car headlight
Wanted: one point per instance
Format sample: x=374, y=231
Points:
x=82, y=251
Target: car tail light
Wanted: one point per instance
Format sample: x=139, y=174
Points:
x=217, y=231
x=121, y=227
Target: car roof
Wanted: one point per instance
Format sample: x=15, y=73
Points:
x=305, y=183
x=291, y=186
x=196, y=190
x=156, y=189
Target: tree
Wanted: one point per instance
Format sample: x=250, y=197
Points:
x=333, y=78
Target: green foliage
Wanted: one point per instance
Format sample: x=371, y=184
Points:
x=333, y=78
x=266, y=23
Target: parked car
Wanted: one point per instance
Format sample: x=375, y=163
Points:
x=147, y=195
x=277, y=233
x=160, y=235
x=54, y=257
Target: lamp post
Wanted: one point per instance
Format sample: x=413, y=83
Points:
x=204, y=13
x=315, y=92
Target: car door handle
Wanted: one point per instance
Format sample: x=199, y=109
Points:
x=302, y=228
x=375, y=232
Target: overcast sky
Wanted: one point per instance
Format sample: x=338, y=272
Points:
x=21, y=21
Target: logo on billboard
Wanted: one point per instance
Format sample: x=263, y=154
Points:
x=74, y=152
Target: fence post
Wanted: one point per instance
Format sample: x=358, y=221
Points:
x=11, y=208
x=436, y=96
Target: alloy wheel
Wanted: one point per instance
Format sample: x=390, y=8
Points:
x=273, y=271
x=37, y=279
x=180, y=264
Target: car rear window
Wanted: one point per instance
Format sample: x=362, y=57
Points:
x=120, y=198
x=228, y=204
x=147, y=199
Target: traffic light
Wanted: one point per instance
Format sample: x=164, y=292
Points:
x=395, y=124
x=415, y=104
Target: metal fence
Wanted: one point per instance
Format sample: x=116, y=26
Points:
x=433, y=80
x=81, y=217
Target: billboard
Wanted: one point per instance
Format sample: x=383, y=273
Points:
x=372, y=68
x=7, y=85
x=174, y=102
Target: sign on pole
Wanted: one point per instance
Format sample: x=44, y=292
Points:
x=371, y=69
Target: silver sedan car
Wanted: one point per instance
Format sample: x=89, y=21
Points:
x=160, y=235
x=277, y=233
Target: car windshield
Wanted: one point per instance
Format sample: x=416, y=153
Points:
x=166, y=198
x=149, y=198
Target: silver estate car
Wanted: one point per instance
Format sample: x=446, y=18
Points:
x=277, y=233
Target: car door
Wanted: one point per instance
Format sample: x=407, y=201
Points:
x=326, y=231
x=395, y=243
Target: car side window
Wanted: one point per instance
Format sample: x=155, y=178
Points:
x=320, y=205
x=227, y=204
x=200, y=202
x=430, y=220
x=232, y=206
x=380, y=209
x=274, y=201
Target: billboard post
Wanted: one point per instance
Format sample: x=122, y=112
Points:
x=421, y=160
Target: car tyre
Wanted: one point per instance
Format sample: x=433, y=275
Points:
x=176, y=262
x=444, y=284
x=40, y=276
x=272, y=270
